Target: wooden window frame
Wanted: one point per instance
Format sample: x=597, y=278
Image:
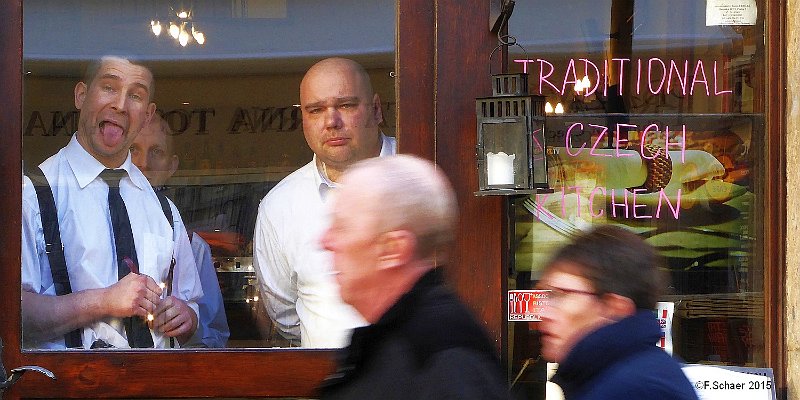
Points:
x=442, y=56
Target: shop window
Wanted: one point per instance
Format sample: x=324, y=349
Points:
x=228, y=90
x=684, y=76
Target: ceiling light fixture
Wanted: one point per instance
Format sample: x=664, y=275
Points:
x=182, y=29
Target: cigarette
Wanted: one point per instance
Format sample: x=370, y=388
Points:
x=150, y=317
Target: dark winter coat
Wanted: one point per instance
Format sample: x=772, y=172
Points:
x=427, y=346
x=621, y=361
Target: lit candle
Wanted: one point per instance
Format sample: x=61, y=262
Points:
x=500, y=168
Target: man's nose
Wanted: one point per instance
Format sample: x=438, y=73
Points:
x=139, y=160
x=118, y=102
x=333, y=119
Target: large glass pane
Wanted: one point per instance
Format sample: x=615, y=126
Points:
x=227, y=87
x=629, y=75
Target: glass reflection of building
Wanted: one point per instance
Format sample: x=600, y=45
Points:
x=230, y=101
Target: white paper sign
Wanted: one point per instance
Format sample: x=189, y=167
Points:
x=731, y=12
x=728, y=383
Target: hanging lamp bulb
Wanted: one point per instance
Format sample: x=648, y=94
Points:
x=174, y=30
x=199, y=37
x=183, y=38
x=155, y=26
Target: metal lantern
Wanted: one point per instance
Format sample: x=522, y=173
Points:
x=511, y=149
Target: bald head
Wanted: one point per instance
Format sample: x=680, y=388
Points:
x=391, y=221
x=341, y=114
x=337, y=69
x=409, y=193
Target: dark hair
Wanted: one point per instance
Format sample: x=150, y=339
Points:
x=614, y=260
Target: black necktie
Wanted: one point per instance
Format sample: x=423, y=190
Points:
x=136, y=329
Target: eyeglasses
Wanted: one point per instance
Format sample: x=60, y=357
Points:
x=557, y=294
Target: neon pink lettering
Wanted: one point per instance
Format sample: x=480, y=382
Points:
x=699, y=70
x=682, y=80
x=680, y=144
x=716, y=81
x=603, y=132
x=568, y=141
x=638, y=75
x=543, y=77
x=577, y=198
x=621, y=71
x=635, y=206
x=539, y=210
x=650, y=75
x=647, y=130
x=619, y=140
x=596, y=79
x=614, y=203
x=567, y=81
x=591, y=202
x=538, y=150
x=524, y=63
x=676, y=210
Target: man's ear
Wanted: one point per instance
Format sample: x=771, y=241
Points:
x=80, y=94
x=397, y=248
x=618, y=306
x=151, y=110
x=377, y=109
x=173, y=164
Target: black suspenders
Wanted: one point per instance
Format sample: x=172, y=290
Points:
x=55, y=248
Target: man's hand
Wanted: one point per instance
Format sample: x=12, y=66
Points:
x=174, y=318
x=133, y=295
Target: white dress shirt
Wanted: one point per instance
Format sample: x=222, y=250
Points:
x=294, y=273
x=81, y=199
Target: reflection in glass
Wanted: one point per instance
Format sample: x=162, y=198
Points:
x=684, y=88
x=228, y=93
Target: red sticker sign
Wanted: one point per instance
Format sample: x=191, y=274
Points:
x=526, y=305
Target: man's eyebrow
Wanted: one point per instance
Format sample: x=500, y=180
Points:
x=142, y=86
x=348, y=99
x=116, y=77
x=336, y=100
